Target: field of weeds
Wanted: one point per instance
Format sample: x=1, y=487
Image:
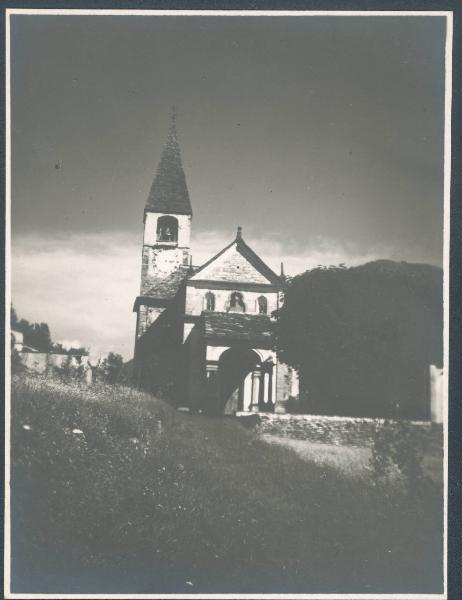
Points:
x=115, y=491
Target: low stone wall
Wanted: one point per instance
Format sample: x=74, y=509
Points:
x=42, y=362
x=341, y=431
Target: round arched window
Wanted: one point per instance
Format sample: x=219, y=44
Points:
x=262, y=305
x=209, y=301
x=236, y=302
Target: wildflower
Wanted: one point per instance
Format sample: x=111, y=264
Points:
x=77, y=431
x=27, y=427
x=189, y=583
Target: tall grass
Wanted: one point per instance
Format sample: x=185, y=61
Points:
x=114, y=491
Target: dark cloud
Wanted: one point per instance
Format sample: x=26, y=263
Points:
x=314, y=126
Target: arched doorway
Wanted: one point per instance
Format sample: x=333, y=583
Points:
x=234, y=366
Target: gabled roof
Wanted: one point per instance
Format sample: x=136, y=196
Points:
x=169, y=193
x=239, y=327
x=248, y=254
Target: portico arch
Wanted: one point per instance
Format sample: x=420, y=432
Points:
x=238, y=370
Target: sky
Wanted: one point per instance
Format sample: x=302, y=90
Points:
x=321, y=136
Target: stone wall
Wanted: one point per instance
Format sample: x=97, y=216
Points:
x=193, y=370
x=231, y=266
x=147, y=315
x=157, y=263
x=157, y=360
x=341, y=431
x=43, y=362
x=286, y=387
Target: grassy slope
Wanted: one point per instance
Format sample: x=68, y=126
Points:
x=149, y=500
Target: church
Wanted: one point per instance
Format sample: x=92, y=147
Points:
x=205, y=334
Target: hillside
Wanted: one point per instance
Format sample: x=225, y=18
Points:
x=114, y=491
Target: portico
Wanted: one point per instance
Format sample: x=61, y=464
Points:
x=240, y=379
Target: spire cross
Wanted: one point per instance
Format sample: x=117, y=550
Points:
x=173, y=120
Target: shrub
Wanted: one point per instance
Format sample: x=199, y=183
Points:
x=394, y=447
x=69, y=370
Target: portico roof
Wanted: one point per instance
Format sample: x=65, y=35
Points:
x=238, y=327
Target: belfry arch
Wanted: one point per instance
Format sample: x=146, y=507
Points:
x=167, y=229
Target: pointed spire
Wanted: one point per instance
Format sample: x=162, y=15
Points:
x=239, y=233
x=169, y=193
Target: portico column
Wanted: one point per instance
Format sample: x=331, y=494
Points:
x=266, y=389
x=212, y=388
x=256, y=376
x=211, y=371
x=294, y=384
x=247, y=400
x=283, y=388
x=273, y=385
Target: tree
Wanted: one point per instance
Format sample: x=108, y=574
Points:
x=36, y=335
x=112, y=366
x=362, y=337
x=13, y=318
x=79, y=351
x=16, y=363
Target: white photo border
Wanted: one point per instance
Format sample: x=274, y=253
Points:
x=446, y=252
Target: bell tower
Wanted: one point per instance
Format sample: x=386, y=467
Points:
x=167, y=219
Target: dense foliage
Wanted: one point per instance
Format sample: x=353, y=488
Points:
x=362, y=338
x=38, y=336
x=110, y=369
x=115, y=492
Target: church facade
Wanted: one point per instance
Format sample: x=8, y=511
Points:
x=204, y=334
